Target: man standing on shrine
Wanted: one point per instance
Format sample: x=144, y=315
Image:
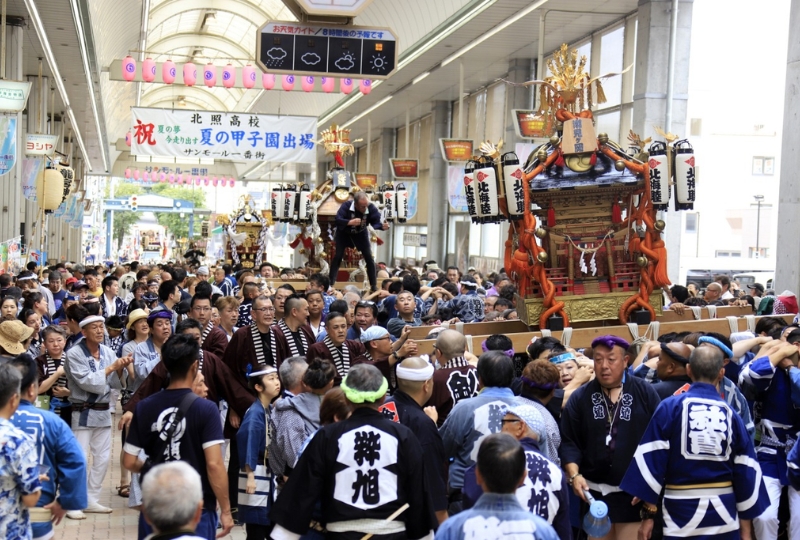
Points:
x=351, y=231
x=363, y=470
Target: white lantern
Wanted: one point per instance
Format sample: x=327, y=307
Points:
x=513, y=178
x=49, y=189
x=289, y=198
x=401, y=200
x=469, y=191
x=486, y=186
x=659, y=176
x=276, y=198
x=684, y=176
x=304, y=203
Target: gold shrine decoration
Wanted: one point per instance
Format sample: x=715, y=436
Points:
x=585, y=308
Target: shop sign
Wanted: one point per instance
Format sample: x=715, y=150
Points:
x=404, y=168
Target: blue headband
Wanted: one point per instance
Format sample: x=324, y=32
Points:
x=564, y=357
x=717, y=343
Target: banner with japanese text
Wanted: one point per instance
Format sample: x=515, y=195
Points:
x=220, y=135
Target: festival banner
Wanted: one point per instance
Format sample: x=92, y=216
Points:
x=455, y=188
x=30, y=170
x=8, y=143
x=14, y=255
x=221, y=135
x=3, y=258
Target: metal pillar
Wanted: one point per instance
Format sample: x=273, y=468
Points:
x=438, y=205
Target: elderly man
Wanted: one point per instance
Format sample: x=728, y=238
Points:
x=601, y=426
x=456, y=379
x=713, y=292
x=414, y=389
x=291, y=374
x=172, y=501
x=351, y=231
x=696, y=460
x=92, y=370
x=544, y=491
x=382, y=353
x=223, y=282
x=472, y=419
x=768, y=379
x=362, y=469
x=498, y=513
x=725, y=283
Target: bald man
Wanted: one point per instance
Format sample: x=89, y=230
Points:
x=671, y=369
x=456, y=378
x=414, y=389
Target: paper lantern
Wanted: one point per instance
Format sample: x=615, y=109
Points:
x=205, y=181
x=128, y=68
x=268, y=81
x=328, y=84
x=210, y=75
x=49, y=189
x=148, y=70
x=127, y=173
x=232, y=182
x=197, y=181
x=171, y=178
x=189, y=74
x=346, y=86
x=228, y=76
x=365, y=86
x=214, y=181
x=168, y=71
x=288, y=82
x=136, y=174
x=307, y=83
x=162, y=177
x=128, y=138
x=248, y=76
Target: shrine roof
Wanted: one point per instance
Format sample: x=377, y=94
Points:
x=602, y=174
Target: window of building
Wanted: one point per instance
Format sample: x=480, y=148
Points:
x=691, y=223
x=728, y=253
x=763, y=166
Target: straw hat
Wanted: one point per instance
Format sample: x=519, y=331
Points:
x=135, y=315
x=12, y=334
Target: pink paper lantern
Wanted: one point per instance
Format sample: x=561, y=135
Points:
x=288, y=82
x=179, y=178
x=307, y=83
x=168, y=71
x=365, y=86
x=145, y=175
x=232, y=182
x=248, y=76
x=210, y=75
x=214, y=181
x=127, y=173
x=268, y=81
x=148, y=70
x=171, y=178
x=128, y=68
x=128, y=138
x=189, y=74
x=205, y=181
x=328, y=84
x=346, y=86
x=136, y=174
x=228, y=76
x=162, y=177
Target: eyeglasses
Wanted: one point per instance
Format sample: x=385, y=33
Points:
x=265, y=309
x=510, y=420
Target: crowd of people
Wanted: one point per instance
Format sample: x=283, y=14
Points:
x=268, y=399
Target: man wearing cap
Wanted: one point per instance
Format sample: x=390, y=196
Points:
x=363, y=470
x=467, y=306
x=601, y=426
x=472, y=419
x=92, y=370
x=544, y=491
x=196, y=441
x=455, y=379
x=291, y=336
x=767, y=379
x=382, y=353
x=213, y=339
x=81, y=288
x=696, y=460
x=414, y=389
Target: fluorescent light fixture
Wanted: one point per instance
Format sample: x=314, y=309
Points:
x=499, y=28
x=142, y=159
x=412, y=54
x=445, y=32
x=420, y=77
x=365, y=113
x=206, y=161
x=85, y=57
x=186, y=161
x=51, y=61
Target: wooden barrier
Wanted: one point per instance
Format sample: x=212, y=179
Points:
x=302, y=285
x=688, y=314
x=476, y=329
x=583, y=337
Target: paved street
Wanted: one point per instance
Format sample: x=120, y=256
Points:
x=123, y=522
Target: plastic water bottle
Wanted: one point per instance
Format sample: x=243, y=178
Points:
x=596, y=522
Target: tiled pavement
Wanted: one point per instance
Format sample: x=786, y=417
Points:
x=122, y=524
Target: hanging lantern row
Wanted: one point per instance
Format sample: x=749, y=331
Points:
x=291, y=203
x=169, y=72
x=179, y=179
x=482, y=189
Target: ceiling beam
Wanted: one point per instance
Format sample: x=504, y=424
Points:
x=212, y=41
x=241, y=8
x=171, y=93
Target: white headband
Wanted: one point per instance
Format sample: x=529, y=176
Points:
x=415, y=374
x=90, y=320
x=468, y=284
x=26, y=278
x=266, y=371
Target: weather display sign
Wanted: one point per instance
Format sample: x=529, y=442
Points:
x=343, y=51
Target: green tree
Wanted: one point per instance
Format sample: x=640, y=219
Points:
x=177, y=225
x=123, y=221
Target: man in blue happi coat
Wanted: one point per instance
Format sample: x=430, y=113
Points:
x=696, y=463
